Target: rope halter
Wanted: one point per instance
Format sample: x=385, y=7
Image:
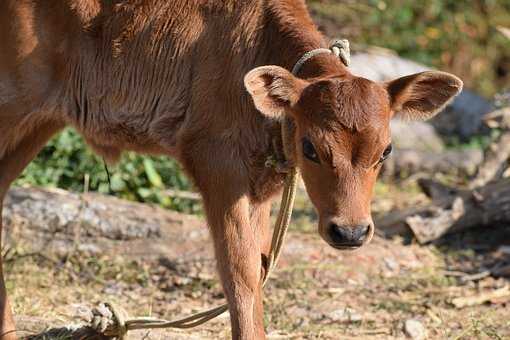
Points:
x=340, y=48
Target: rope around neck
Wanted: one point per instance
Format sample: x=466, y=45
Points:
x=112, y=321
x=340, y=48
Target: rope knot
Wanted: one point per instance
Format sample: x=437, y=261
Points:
x=109, y=320
x=341, y=48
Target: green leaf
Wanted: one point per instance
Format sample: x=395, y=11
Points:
x=152, y=174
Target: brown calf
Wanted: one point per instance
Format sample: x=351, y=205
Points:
x=188, y=79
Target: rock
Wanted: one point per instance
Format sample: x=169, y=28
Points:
x=415, y=330
x=344, y=315
x=419, y=136
x=462, y=118
x=391, y=264
x=378, y=65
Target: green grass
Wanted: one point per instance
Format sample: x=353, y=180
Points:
x=67, y=163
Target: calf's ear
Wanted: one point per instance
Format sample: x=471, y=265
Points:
x=420, y=96
x=274, y=89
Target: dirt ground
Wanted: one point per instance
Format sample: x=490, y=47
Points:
x=316, y=293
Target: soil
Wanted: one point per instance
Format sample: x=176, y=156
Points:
x=316, y=293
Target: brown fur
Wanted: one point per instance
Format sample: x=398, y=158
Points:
x=166, y=77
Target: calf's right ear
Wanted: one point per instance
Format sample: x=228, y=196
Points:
x=274, y=89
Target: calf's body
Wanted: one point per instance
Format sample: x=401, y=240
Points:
x=166, y=77
x=159, y=77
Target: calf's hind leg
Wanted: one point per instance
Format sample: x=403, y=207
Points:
x=11, y=165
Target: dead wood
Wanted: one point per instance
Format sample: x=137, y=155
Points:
x=452, y=210
x=497, y=155
x=187, y=195
x=498, y=294
x=485, y=203
x=44, y=222
x=501, y=271
x=454, y=162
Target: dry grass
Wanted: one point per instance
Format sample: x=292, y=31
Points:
x=317, y=293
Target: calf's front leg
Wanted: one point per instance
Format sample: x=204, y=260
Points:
x=259, y=220
x=217, y=169
x=239, y=262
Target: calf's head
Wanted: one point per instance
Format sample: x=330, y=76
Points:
x=342, y=136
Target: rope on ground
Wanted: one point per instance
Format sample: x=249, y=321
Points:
x=112, y=321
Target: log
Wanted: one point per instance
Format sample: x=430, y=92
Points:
x=462, y=162
x=61, y=223
x=497, y=155
x=424, y=151
x=452, y=210
x=485, y=202
x=502, y=293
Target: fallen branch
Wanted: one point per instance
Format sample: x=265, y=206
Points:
x=482, y=298
x=428, y=228
x=465, y=277
x=498, y=153
x=192, y=196
x=501, y=270
x=451, y=211
x=454, y=162
x=476, y=276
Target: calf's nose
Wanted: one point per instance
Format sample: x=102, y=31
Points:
x=348, y=236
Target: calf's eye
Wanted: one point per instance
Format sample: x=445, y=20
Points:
x=309, y=151
x=386, y=153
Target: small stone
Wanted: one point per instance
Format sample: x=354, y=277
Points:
x=89, y=248
x=344, y=315
x=113, y=288
x=182, y=281
x=391, y=264
x=414, y=329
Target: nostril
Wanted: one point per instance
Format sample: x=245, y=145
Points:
x=349, y=235
x=338, y=234
x=361, y=232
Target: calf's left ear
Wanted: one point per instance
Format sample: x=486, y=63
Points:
x=274, y=89
x=420, y=96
